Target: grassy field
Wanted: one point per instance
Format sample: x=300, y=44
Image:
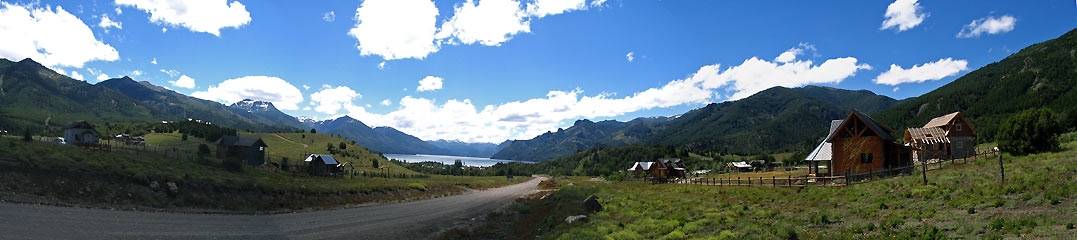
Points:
x=43, y=172
x=960, y=201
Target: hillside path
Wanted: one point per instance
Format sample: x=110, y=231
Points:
x=409, y=220
x=289, y=140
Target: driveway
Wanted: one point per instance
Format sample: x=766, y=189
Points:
x=409, y=220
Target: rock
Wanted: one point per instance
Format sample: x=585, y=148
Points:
x=591, y=204
x=571, y=219
x=155, y=186
x=172, y=187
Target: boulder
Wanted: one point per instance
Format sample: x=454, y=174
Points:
x=155, y=186
x=571, y=219
x=591, y=204
x=172, y=188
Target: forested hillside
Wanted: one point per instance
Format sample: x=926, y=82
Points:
x=1041, y=75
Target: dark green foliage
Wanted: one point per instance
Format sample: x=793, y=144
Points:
x=284, y=166
x=1029, y=131
x=232, y=165
x=313, y=130
x=343, y=146
x=203, y=149
x=26, y=135
x=1041, y=75
x=183, y=137
x=374, y=163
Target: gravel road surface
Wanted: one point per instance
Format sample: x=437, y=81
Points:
x=409, y=220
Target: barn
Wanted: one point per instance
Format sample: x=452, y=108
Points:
x=323, y=165
x=81, y=133
x=249, y=150
x=860, y=144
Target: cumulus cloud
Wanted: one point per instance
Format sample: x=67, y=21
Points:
x=330, y=100
x=429, y=83
x=399, y=29
x=284, y=95
x=920, y=73
x=107, y=23
x=154, y=62
x=53, y=38
x=989, y=25
x=329, y=16
x=102, y=77
x=386, y=102
x=183, y=82
x=395, y=29
x=630, y=56
x=77, y=76
x=462, y=120
x=903, y=15
x=208, y=16
x=171, y=72
x=136, y=73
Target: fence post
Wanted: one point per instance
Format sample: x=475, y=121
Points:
x=1001, y=169
x=772, y=182
x=923, y=165
x=738, y=179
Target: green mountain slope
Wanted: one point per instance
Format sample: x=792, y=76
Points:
x=777, y=119
x=381, y=139
x=1044, y=74
x=33, y=96
x=183, y=107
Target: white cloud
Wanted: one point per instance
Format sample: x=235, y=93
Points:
x=429, y=83
x=487, y=22
x=102, y=77
x=53, y=38
x=399, y=29
x=386, y=102
x=154, y=62
x=305, y=87
x=107, y=23
x=164, y=30
x=330, y=100
x=920, y=73
x=136, y=73
x=630, y=56
x=461, y=120
x=381, y=65
x=171, y=72
x=329, y=16
x=541, y=8
x=77, y=76
x=989, y=25
x=208, y=16
x=119, y=11
x=284, y=95
x=183, y=82
x=395, y=29
x=903, y=15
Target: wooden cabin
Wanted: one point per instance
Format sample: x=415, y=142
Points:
x=663, y=168
x=249, y=150
x=323, y=165
x=946, y=137
x=860, y=144
x=81, y=133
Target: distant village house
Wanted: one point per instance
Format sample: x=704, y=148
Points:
x=323, y=165
x=81, y=133
x=249, y=150
x=662, y=168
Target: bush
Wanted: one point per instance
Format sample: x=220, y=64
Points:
x=1029, y=131
x=232, y=165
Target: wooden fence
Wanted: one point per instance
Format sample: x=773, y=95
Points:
x=832, y=181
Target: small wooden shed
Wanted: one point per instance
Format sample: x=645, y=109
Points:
x=323, y=165
x=81, y=133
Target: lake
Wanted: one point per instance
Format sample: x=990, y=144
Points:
x=468, y=161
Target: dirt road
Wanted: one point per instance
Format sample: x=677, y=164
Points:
x=410, y=220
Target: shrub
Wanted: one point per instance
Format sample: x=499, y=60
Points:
x=1029, y=131
x=417, y=186
x=232, y=165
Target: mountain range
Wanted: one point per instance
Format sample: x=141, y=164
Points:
x=39, y=99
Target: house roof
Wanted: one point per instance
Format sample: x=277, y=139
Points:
x=741, y=164
x=642, y=165
x=929, y=135
x=326, y=159
x=241, y=141
x=824, y=151
x=78, y=124
x=882, y=130
x=674, y=163
x=941, y=121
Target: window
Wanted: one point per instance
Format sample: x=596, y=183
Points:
x=865, y=158
x=958, y=127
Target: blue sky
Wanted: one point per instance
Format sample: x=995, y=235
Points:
x=490, y=70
